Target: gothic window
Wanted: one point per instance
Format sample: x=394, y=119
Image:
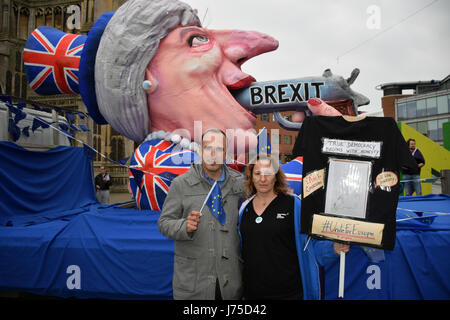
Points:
x=8, y=82
x=18, y=61
x=49, y=17
x=17, y=85
x=24, y=87
x=99, y=148
x=117, y=148
x=120, y=149
x=40, y=18
x=58, y=18
x=23, y=23
x=95, y=148
x=113, y=154
x=14, y=18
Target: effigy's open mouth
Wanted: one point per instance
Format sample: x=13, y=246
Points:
x=241, y=84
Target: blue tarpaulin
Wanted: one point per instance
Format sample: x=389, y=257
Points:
x=57, y=240
x=107, y=252
x=38, y=186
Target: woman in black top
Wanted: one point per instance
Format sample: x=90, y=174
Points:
x=269, y=250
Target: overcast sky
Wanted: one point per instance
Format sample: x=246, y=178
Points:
x=402, y=45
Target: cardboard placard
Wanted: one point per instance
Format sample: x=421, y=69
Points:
x=313, y=181
x=352, y=148
x=347, y=229
x=386, y=179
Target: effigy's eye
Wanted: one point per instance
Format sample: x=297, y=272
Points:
x=197, y=40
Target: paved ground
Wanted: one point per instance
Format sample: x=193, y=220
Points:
x=119, y=197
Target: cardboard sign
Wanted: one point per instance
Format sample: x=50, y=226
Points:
x=313, y=181
x=354, y=148
x=347, y=229
x=386, y=179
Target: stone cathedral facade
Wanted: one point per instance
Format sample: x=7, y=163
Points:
x=18, y=18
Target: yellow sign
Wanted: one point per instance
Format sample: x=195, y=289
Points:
x=313, y=181
x=347, y=229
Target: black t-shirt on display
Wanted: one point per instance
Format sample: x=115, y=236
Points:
x=373, y=140
x=271, y=269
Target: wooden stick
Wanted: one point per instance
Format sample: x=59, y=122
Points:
x=341, y=275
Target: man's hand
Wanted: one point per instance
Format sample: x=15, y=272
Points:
x=338, y=247
x=192, y=221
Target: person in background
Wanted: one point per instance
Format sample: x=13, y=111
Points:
x=412, y=176
x=280, y=263
x=102, y=184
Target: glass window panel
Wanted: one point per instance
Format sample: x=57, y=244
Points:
x=422, y=127
x=431, y=106
x=287, y=139
x=432, y=130
x=411, y=110
x=421, y=108
x=442, y=104
x=413, y=125
x=401, y=111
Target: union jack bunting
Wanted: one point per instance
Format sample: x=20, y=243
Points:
x=153, y=166
x=293, y=171
x=51, y=58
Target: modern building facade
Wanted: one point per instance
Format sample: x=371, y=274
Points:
x=425, y=110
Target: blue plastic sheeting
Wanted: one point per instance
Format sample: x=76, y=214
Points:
x=417, y=268
x=119, y=254
x=106, y=252
x=56, y=240
x=38, y=186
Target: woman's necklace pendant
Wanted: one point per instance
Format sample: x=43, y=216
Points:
x=259, y=220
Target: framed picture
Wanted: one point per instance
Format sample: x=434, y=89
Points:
x=347, y=188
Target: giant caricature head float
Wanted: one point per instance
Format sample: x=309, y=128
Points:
x=150, y=66
x=185, y=68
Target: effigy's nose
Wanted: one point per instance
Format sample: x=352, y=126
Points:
x=239, y=46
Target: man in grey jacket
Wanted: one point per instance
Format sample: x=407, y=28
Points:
x=207, y=263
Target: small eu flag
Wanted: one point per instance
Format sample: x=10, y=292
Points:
x=214, y=203
x=263, y=146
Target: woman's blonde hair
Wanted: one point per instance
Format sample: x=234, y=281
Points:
x=281, y=185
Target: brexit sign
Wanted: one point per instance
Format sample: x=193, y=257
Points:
x=292, y=95
x=283, y=93
x=278, y=96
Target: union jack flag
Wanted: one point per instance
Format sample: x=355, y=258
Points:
x=51, y=58
x=293, y=172
x=154, y=165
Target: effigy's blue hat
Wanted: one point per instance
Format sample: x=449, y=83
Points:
x=63, y=63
